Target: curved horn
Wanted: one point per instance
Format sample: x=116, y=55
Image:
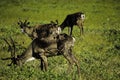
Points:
x=25, y=21
x=19, y=20
x=13, y=45
x=56, y=21
x=6, y=58
x=13, y=57
x=10, y=48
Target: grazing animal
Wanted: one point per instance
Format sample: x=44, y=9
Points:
x=40, y=31
x=74, y=19
x=40, y=49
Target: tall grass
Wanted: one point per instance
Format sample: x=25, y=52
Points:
x=97, y=51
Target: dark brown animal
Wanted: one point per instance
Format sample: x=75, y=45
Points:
x=74, y=19
x=40, y=31
x=41, y=49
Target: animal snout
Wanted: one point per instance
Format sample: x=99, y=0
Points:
x=59, y=30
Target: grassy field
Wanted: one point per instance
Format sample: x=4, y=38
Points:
x=98, y=51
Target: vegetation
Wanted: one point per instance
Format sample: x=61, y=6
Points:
x=98, y=50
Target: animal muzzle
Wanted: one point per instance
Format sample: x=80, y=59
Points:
x=58, y=30
x=82, y=16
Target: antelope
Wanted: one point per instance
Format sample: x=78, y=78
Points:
x=40, y=49
x=74, y=19
x=40, y=31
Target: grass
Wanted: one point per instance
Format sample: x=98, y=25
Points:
x=98, y=50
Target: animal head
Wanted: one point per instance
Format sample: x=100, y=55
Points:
x=65, y=41
x=55, y=27
x=81, y=17
x=80, y=20
x=23, y=25
x=64, y=37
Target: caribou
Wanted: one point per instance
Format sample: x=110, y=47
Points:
x=40, y=49
x=40, y=31
x=74, y=19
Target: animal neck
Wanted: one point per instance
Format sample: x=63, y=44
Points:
x=29, y=31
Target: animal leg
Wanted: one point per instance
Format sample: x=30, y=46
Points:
x=44, y=63
x=82, y=31
x=67, y=56
x=68, y=30
x=80, y=25
x=71, y=30
x=75, y=61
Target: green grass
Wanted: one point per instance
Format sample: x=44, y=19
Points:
x=98, y=51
